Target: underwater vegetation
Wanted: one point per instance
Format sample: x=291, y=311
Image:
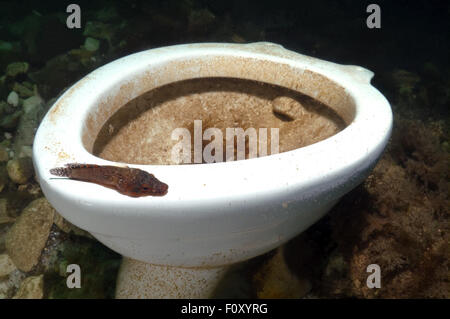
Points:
x=398, y=218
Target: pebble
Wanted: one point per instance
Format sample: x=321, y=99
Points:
x=6, y=265
x=13, y=99
x=16, y=68
x=27, y=237
x=22, y=90
x=20, y=169
x=91, y=44
x=10, y=121
x=68, y=227
x=31, y=288
x=32, y=103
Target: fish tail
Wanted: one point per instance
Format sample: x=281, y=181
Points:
x=61, y=171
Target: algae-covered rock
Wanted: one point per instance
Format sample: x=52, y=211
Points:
x=16, y=68
x=68, y=227
x=31, y=288
x=20, y=169
x=10, y=121
x=22, y=90
x=91, y=44
x=6, y=265
x=276, y=280
x=32, y=103
x=27, y=237
x=98, y=264
x=4, y=156
x=34, y=109
x=405, y=81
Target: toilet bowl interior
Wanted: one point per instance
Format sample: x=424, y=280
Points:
x=222, y=92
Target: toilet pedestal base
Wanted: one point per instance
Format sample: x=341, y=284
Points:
x=142, y=280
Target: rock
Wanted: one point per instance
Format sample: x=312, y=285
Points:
x=83, y=55
x=9, y=284
x=4, y=157
x=34, y=109
x=27, y=237
x=13, y=98
x=31, y=288
x=275, y=280
x=91, y=44
x=99, y=267
x=33, y=102
x=4, y=208
x=336, y=266
x=23, y=90
x=99, y=30
x=10, y=121
x=16, y=68
x=6, y=265
x=68, y=227
x=405, y=81
x=9, y=52
x=58, y=72
x=20, y=169
x=25, y=151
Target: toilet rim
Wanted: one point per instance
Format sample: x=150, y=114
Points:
x=303, y=173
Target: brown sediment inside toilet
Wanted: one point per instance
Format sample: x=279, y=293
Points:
x=140, y=131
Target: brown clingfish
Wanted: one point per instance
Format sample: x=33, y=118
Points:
x=128, y=181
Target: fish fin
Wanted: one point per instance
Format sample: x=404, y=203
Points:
x=60, y=171
x=80, y=165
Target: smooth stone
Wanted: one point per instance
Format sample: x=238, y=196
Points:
x=13, y=98
x=20, y=170
x=91, y=44
x=27, y=237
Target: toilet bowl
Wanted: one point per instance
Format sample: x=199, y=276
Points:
x=213, y=215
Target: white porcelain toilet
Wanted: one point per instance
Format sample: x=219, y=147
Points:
x=214, y=215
